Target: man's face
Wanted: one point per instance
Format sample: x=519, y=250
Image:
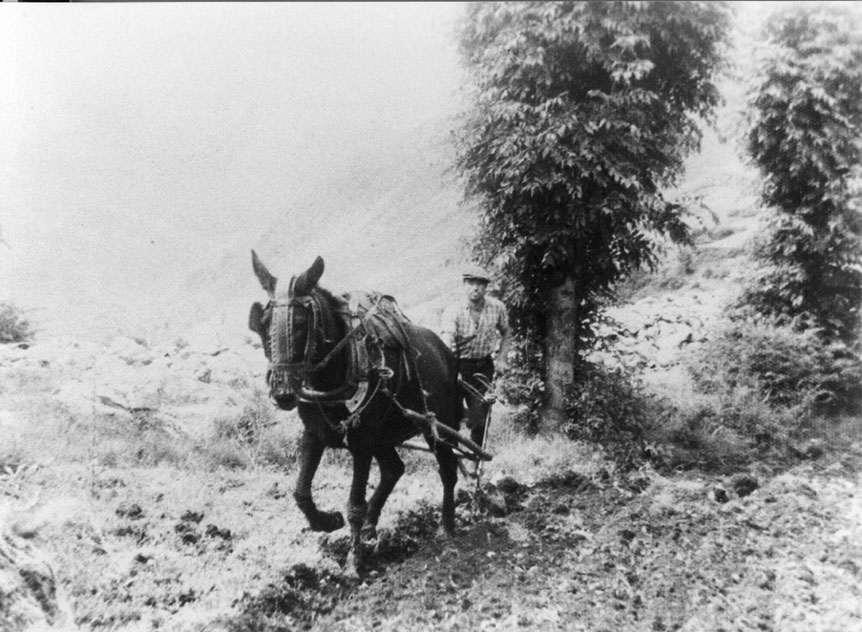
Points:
x=475, y=289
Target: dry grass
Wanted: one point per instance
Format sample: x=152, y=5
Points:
x=530, y=458
x=154, y=529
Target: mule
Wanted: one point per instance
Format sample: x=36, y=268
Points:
x=354, y=378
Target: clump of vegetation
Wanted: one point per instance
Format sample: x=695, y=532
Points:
x=14, y=327
x=782, y=366
x=522, y=384
x=611, y=408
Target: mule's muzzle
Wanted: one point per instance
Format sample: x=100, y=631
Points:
x=286, y=401
x=281, y=390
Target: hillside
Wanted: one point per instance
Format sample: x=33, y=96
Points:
x=390, y=220
x=156, y=476
x=146, y=479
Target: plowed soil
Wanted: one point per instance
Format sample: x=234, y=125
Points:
x=778, y=551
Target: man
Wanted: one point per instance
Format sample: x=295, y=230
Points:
x=476, y=328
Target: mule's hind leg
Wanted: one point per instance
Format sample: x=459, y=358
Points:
x=448, y=468
x=357, y=508
x=391, y=468
x=311, y=450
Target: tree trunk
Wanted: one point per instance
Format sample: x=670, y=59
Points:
x=561, y=347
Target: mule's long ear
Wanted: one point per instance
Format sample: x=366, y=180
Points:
x=255, y=319
x=263, y=275
x=308, y=279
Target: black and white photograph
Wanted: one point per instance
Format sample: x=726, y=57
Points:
x=431, y=316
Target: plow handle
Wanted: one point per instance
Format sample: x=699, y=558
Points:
x=450, y=433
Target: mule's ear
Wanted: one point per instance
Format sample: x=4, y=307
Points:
x=255, y=319
x=263, y=275
x=308, y=279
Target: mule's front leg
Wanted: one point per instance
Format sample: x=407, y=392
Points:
x=311, y=451
x=391, y=469
x=357, y=509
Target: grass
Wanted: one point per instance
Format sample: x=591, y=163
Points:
x=152, y=528
x=114, y=494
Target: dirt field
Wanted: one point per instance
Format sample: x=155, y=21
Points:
x=641, y=553
x=160, y=548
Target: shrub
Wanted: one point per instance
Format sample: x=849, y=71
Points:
x=785, y=367
x=522, y=384
x=13, y=326
x=610, y=407
x=718, y=432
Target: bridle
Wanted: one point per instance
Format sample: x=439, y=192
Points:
x=294, y=375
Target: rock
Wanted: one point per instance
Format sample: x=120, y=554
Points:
x=811, y=449
x=561, y=509
x=815, y=448
x=192, y=516
x=720, y=495
x=30, y=596
x=132, y=511
x=493, y=501
x=681, y=337
x=130, y=351
x=743, y=484
x=506, y=484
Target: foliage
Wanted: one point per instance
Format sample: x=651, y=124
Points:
x=804, y=136
x=14, y=327
x=609, y=407
x=581, y=112
x=783, y=367
x=522, y=383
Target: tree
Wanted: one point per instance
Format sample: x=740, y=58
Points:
x=581, y=112
x=804, y=135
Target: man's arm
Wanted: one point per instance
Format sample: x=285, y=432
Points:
x=448, y=327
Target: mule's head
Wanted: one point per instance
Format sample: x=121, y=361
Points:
x=286, y=329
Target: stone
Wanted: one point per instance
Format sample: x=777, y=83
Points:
x=743, y=484
x=506, y=484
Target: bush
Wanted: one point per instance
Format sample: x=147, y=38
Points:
x=785, y=367
x=719, y=432
x=522, y=384
x=611, y=408
x=13, y=326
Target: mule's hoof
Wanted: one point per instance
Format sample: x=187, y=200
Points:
x=327, y=521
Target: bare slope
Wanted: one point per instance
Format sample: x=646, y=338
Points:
x=386, y=218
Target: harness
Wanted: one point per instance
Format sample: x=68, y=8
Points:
x=363, y=344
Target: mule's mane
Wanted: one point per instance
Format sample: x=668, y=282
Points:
x=331, y=307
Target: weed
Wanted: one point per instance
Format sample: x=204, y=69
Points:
x=253, y=439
